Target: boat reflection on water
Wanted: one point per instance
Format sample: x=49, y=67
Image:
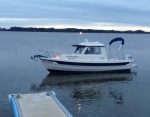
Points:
x=58, y=80
x=88, y=88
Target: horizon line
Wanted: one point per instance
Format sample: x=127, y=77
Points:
x=68, y=29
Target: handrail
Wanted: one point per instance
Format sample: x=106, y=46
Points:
x=51, y=54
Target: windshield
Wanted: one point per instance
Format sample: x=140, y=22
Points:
x=79, y=50
x=93, y=50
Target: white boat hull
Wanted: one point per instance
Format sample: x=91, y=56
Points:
x=85, y=67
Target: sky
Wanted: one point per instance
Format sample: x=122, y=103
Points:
x=86, y=14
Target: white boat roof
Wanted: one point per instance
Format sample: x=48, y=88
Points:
x=90, y=44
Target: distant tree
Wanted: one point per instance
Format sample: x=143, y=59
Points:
x=3, y=29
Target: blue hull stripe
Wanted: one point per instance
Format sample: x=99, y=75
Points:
x=88, y=64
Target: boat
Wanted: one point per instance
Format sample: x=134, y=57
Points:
x=88, y=57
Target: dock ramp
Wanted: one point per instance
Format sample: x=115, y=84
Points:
x=43, y=104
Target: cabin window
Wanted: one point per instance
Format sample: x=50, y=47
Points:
x=79, y=50
x=93, y=50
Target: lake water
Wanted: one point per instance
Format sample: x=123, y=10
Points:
x=94, y=95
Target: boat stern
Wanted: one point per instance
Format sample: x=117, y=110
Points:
x=129, y=58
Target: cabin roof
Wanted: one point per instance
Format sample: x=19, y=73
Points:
x=84, y=44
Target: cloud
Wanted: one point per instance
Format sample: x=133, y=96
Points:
x=77, y=13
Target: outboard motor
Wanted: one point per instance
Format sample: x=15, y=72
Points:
x=129, y=57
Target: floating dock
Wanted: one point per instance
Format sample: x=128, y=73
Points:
x=43, y=104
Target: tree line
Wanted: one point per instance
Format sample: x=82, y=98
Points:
x=32, y=29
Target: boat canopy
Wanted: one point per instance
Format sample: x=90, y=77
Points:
x=117, y=39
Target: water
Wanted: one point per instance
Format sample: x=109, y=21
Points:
x=95, y=95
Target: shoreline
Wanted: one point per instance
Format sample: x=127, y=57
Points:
x=71, y=30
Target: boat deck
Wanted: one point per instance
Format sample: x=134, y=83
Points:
x=38, y=105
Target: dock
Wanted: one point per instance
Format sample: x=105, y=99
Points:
x=43, y=104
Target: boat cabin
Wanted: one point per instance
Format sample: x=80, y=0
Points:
x=87, y=49
x=93, y=51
